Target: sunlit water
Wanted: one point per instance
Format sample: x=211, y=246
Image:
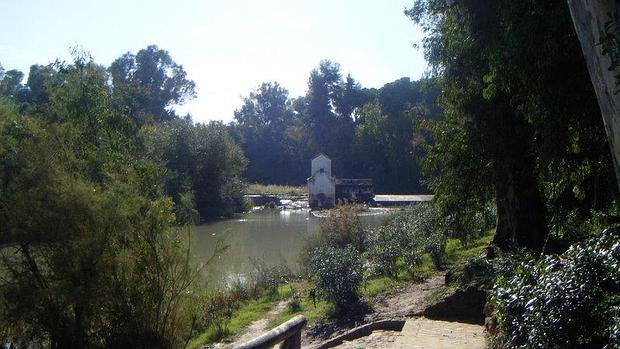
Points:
x=273, y=236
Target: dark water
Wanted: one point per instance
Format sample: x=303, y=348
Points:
x=273, y=236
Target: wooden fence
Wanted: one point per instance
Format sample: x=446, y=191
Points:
x=289, y=333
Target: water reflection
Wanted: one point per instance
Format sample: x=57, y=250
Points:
x=275, y=236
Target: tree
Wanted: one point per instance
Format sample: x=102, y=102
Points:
x=88, y=258
x=598, y=28
x=507, y=107
x=319, y=117
x=262, y=127
x=38, y=78
x=149, y=83
x=350, y=98
x=203, y=166
x=11, y=83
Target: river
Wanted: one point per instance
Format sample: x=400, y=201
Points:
x=274, y=236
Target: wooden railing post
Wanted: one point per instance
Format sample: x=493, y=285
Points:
x=292, y=342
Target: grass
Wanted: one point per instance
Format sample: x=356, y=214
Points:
x=311, y=310
x=242, y=317
x=456, y=252
x=376, y=285
x=254, y=310
x=247, y=313
x=275, y=189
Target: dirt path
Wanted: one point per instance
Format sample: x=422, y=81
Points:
x=398, y=303
x=254, y=330
x=405, y=301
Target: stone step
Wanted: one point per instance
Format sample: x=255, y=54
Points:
x=425, y=333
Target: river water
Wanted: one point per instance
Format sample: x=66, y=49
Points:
x=274, y=236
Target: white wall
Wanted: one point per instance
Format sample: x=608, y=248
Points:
x=321, y=184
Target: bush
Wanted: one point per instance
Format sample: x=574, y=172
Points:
x=385, y=249
x=338, y=275
x=422, y=228
x=266, y=279
x=571, y=300
x=218, y=311
x=477, y=271
x=341, y=228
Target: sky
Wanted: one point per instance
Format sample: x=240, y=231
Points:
x=228, y=47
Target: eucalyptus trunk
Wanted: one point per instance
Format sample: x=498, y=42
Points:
x=590, y=17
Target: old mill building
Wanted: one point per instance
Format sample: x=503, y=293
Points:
x=325, y=190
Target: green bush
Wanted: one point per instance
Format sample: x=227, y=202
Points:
x=341, y=228
x=338, y=275
x=391, y=244
x=385, y=249
x=218, y=311
x=265, y=279
x=344, y=227
x=572, y=300
x=421, y=228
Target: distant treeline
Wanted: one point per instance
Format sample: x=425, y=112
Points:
x=367, y=132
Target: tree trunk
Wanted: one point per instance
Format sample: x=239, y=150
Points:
x=521, y=213
x=520, y=209
x=589, y=17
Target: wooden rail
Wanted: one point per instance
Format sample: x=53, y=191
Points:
x=289, y=333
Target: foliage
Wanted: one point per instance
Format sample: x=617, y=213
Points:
x=366, y=132
x=265, y=127
x=513, y=119
x=563, y=301
x=341, y=228
x=387, y=245
x=148, y=84
x=267, y=279
x=275, y=189
x=338, y=274
x=89, y=256
x=204, y=166
x=78, y=228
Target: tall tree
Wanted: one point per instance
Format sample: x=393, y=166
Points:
x=262, y=127
x=149, y=83
x=598, y=28
x=319, y=115
x=502, y=96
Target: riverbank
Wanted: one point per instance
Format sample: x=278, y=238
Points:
x=388, y=298
x=276, y=189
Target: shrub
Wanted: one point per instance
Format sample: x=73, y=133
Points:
x=341, y=228
x=338, y=275
x=385, y=248
x=421, y=228
x=477, y=271
x=294, y=304
x=266, y=279
x=218, y=311
x=571, y=300
x=392, y=243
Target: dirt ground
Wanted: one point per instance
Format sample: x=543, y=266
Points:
x=399, y=303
